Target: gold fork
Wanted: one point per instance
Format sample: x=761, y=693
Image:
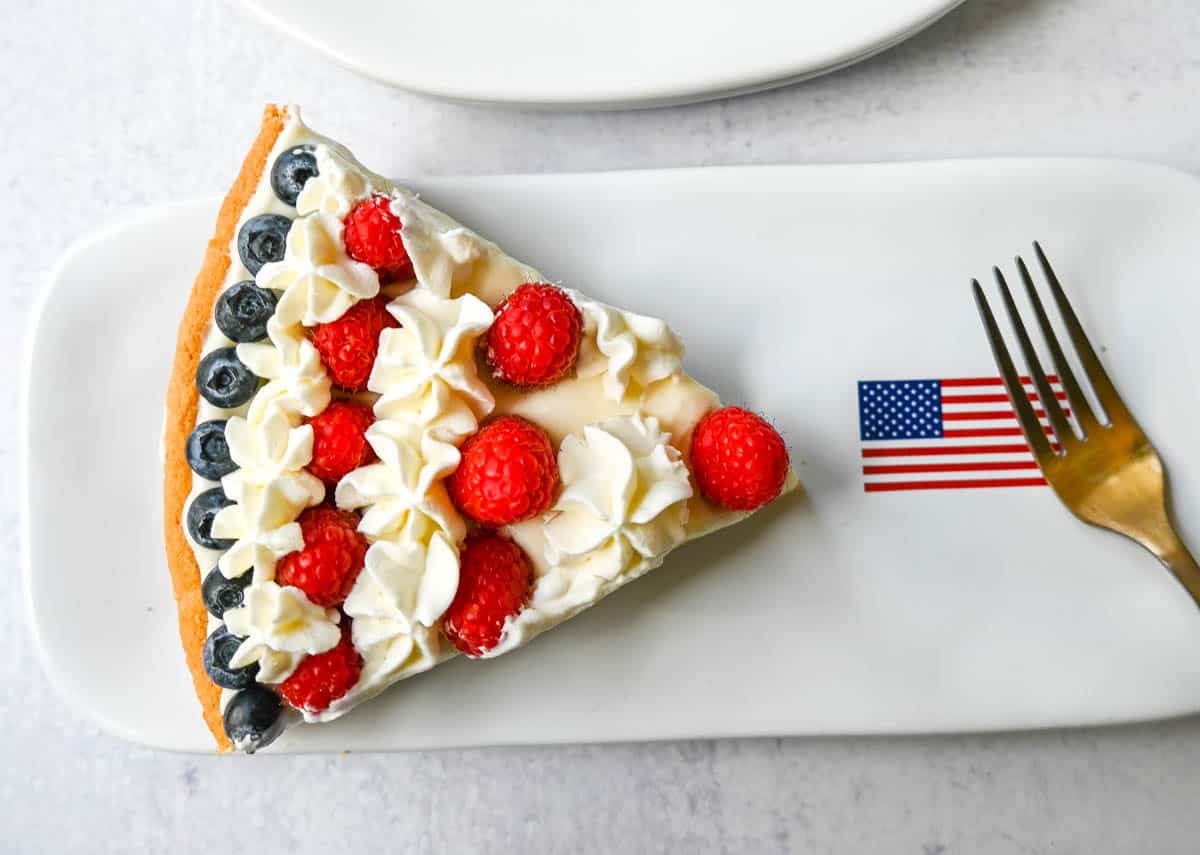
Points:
x=1108, y=474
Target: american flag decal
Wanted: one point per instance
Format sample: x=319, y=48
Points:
x=945, y=435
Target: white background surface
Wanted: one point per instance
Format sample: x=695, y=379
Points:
x=107, y=109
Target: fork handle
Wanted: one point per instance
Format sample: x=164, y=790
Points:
x=1170, y=549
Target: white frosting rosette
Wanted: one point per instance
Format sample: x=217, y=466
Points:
x=335, y=188
x=438, y=246
x=280, y=626
x=622, y=509
x=296, y=379
x=404, y=490
x=626, y=348
x=318, y=279
x=401, y=593
x=270, y=489
x=625, y=489
x=433, y=351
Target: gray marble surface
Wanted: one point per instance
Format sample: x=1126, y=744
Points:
x=110, y=106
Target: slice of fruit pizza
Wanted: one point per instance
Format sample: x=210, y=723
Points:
x=388, y=442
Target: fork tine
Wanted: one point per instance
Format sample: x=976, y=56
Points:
x=1106, y=393
x=1030, y=425
x=1054, y=413
x=1066, y=375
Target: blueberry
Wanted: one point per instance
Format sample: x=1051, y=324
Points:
x=291, y=170
x=219, y=648
x=253, y=718
x=243, y=311
x=221, y=594
x=200, y=518
x=262, y=239
x=207, y=451
x=224, y=380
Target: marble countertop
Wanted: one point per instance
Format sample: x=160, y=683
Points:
x=116, y=105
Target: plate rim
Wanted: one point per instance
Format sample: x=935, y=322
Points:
x=670, y=94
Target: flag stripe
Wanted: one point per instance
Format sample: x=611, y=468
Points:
x=981, y=466
x=895, y=486
x=979, y=433
x=924, y=450
x=983, y=415
x=991, y=399
x=990, y=381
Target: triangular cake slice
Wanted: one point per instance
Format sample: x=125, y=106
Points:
x=388, y=442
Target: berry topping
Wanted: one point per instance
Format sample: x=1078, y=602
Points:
x=339, y=441
x=348, y=346
x=535, y=337
x=208, y=453
x=200, y=515
x=322, y=678
x=220, y=594
x=739, y=460
x=224, y=381
x=219, y=648
x=508, y=473
x=291, y=169
x=262, y=239
x=243, y=310
x=325, y=569
x=372, y=236
x=253, y=718
x=494, y=581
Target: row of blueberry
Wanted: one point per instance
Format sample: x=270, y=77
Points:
x=243, y=310
x=253, y=715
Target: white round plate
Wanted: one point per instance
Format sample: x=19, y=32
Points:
x=622, y=53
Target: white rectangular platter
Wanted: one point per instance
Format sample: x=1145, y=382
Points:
x=835, y=611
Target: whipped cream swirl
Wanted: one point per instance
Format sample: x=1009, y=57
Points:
x=432, y=351
x=336, y=187
x=400, y=595
x=269, y=489
x=404, y=489
x=439, y=247
x=297, y=382
x=624, y=498
x=627, y=348
x=280, y=626
x=318, y=279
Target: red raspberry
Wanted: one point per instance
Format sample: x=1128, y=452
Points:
x=739, y=460
x=333, y=553
x=339, y=443
x=508, y=473
x=349, y=345
x=535, y=337
x=322, y=678
x=372, y=236
x=494, y=581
